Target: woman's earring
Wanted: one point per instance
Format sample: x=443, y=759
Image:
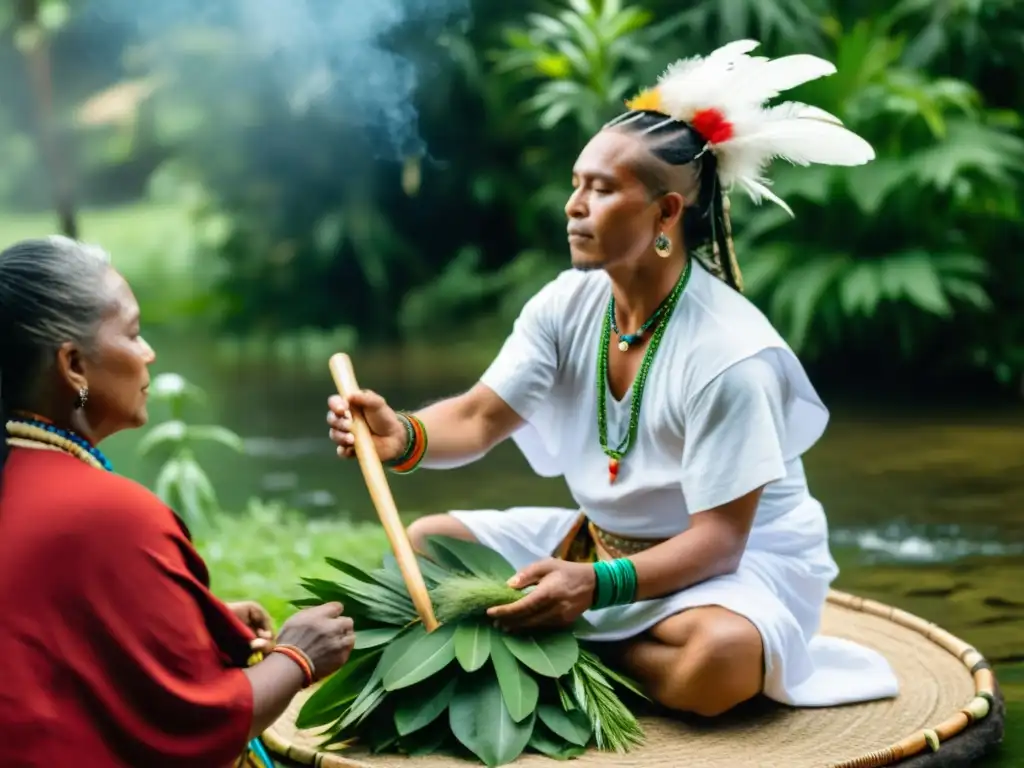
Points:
x=83, y=398
x=663, y=246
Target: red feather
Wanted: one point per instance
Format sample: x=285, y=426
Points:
x=712, y=125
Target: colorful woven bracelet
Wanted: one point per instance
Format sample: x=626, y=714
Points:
x=615, y=582
x=301, y=659
x=410, y=442
x=419, y=447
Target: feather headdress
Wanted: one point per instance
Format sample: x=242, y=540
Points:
x=722, y=96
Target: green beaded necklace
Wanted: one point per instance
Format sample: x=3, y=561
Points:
x=626, y=339
x=615, y=455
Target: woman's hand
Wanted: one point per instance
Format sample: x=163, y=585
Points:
x=390, y=437
x=256, y=618
x=326, y=636
x=563, y=592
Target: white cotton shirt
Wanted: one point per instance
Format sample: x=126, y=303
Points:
x=727, y=407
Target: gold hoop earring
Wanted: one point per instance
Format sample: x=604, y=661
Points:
x=662, y=245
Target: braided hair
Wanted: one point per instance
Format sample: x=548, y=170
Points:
x=681, y=163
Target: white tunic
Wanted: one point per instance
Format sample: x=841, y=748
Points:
x=727, y=408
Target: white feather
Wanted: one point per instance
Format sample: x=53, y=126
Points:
x=737, y=84
x=789, y=109
x=804, y=141
x=766, y=80
x=695, y=83
x=758, y=189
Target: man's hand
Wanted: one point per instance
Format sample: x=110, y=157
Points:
x=256, y=618
x=563, y=592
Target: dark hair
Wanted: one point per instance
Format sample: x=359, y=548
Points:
x=51, y=292
x=706, y=226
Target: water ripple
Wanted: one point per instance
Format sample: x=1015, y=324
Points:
x=924, y=544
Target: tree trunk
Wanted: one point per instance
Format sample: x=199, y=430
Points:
x=37, y=57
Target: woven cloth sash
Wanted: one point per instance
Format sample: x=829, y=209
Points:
x=586, y=542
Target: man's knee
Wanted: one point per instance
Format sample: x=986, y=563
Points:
x=436, y=525
x=720, y=666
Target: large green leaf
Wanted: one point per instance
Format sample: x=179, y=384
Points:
x=912, y=275
x=398, y=647
x=419, y=711
x=379, y=579
x=216, y=434
x=472, y=645
x=372, y=638
x=573, y=725
x=550, y=745
x=551, y=655
x=427, y=654
x=870, y=185
x=799, y=295
x=393, y=581
x=432, y=572
x=337, y=692
x=369, y=698
x=443, y=558
x=861, y=289
x=474, y=558
x=171, y=432
x=480, y=720
x=518, y=687
x=363, y=706
x=424, y=742
x=324, y=591
x=379, y=602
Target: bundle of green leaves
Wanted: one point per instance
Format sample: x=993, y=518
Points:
x=499, y=694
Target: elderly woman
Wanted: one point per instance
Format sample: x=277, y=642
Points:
x=115, y=651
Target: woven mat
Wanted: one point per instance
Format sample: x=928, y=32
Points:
x=934, y=684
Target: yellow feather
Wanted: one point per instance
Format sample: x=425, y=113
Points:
x=647, y=100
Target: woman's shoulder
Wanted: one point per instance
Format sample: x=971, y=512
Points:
x=78, y=497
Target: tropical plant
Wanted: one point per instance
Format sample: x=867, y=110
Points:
x=181, y=482
x=900, y=262
x=585, y=55
x=500, y=694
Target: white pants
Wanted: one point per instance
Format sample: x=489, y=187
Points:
x=780, y=587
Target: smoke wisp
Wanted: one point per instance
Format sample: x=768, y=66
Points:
x=347, y=59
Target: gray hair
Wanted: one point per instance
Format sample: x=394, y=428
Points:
x=51, y=292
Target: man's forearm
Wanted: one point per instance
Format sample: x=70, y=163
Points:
x=684, y=560
x=454, y=437
x=462, y=429
x=712, y=546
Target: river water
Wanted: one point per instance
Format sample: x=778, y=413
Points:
x=925, y=505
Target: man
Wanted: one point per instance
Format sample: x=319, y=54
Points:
x=675, y=412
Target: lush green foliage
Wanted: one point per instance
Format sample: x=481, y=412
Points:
x=151, y=244
x=182, y=483
x=905, y=262
x=263, y=552
x=502, y=693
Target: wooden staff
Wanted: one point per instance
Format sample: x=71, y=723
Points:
x=377, y=483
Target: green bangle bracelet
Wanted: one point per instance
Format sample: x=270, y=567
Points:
x=615, y=582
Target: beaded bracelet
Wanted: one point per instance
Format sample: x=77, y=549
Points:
x=615, y=582
x=416, y=449
x=299, y=656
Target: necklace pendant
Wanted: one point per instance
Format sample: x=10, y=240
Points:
x=623, y=346
x=613, y=470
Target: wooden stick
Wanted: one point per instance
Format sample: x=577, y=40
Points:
x=377, y=483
